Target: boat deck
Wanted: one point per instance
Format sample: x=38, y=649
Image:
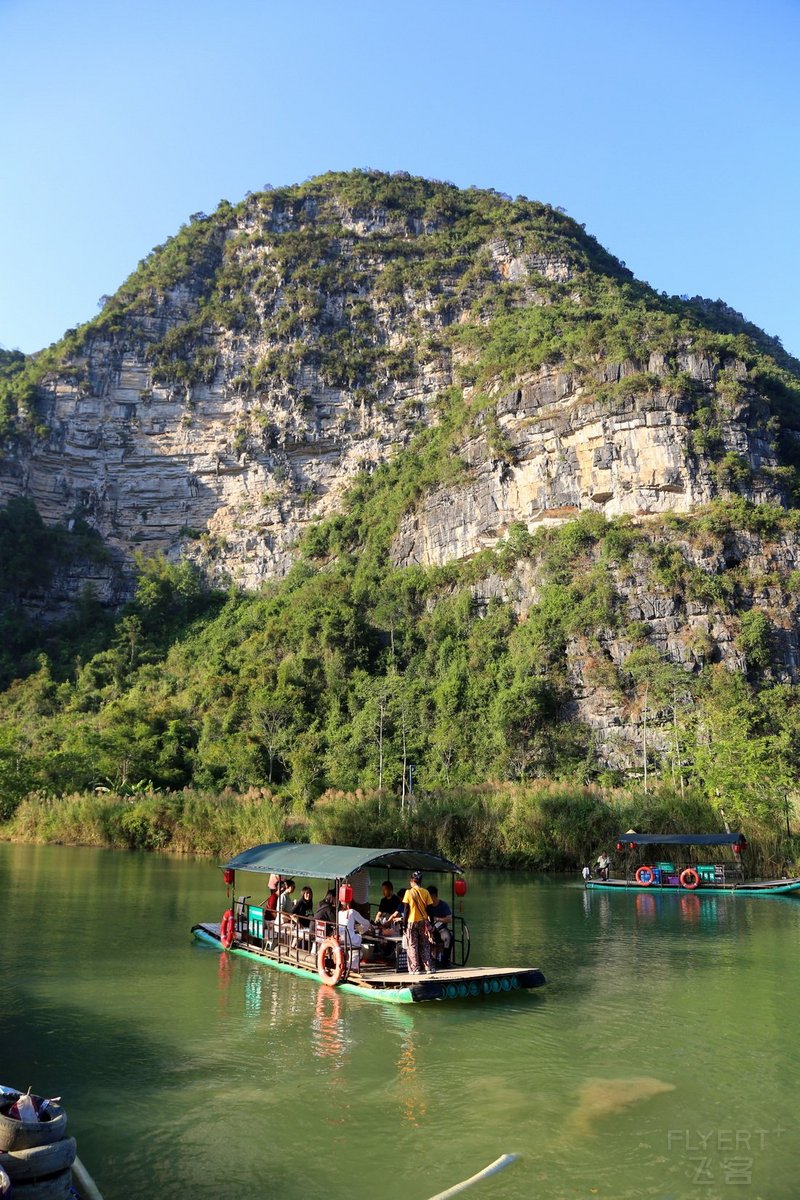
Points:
x=752, y=887
x=377, y=975
x=380, y=981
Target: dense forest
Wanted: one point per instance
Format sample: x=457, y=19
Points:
x=355, y=698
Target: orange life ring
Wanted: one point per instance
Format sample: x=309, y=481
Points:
x=226, y=930
x=645, y=876
x=689, y=879
x=330, y=962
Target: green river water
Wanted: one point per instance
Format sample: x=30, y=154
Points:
x=660, y=1060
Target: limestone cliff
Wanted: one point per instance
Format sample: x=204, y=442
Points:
x=233, y=388
x=565, y=452
x=223, y=400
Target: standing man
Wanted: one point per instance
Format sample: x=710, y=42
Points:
x=416, y=903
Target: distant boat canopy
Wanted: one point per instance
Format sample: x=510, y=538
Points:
x=682, y=839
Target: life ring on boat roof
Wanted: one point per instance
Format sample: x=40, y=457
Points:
x=689, y=879
x=645, y=876
x=330, y=962
x=226, y=930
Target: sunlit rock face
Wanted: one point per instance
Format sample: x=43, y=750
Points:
x=567, y=452
x=216, y=409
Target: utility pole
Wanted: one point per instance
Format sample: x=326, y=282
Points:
x=380, y=750
x=677, y=740
x=644, y=735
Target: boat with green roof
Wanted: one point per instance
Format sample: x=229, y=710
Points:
x=373, y=966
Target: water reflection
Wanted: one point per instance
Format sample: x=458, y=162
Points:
x=413, y=1098
x=223, y=981
x=651, y=907
x=691, y=910
x=692, y=907
x=253, y=991
x=330, y=1034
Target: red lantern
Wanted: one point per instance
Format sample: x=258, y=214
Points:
x=461, y=887
x=345, y=894
x=227, y=875
x=620, y=847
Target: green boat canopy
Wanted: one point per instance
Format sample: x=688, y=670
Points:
x=295, y=859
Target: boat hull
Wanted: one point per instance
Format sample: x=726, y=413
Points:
x=449, y=983
x=767, y=887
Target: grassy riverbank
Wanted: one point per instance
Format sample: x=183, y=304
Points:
x=543, y=826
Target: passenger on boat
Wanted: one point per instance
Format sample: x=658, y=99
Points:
x=284, y=906
x=441, y=914
x=359, y=882
x=303, y=909
x=417, y=940
x=327, y=910
x=439, y=910
x=390, y=908
x=285, y=901
x=301, y=915
x=269, y=906
x=603, y=865
x=351, y=920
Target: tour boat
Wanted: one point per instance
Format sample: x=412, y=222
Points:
x=377, y=968
x=688, y=874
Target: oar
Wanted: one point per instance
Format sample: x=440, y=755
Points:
x=498, y=1165
x=87, y=1185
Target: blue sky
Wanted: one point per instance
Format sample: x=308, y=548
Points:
x=669, y=129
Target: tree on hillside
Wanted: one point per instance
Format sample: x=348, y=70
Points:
x=740, y=761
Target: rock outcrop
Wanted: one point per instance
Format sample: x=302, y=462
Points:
x=566, y=452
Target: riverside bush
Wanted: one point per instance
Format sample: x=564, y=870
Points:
x=544, y=826
x=182, y=822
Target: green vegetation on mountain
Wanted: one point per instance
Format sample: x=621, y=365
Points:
x=352, y=673
x=349, y=674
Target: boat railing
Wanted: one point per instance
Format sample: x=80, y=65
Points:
x=459, y=951
x=279, y=933
x=668, y=874
x=290, y=941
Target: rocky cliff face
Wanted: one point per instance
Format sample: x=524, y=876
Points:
x=730, y=577
x=227, y=462
x=565, y=452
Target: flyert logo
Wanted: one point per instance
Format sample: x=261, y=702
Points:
x=725, y=1156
